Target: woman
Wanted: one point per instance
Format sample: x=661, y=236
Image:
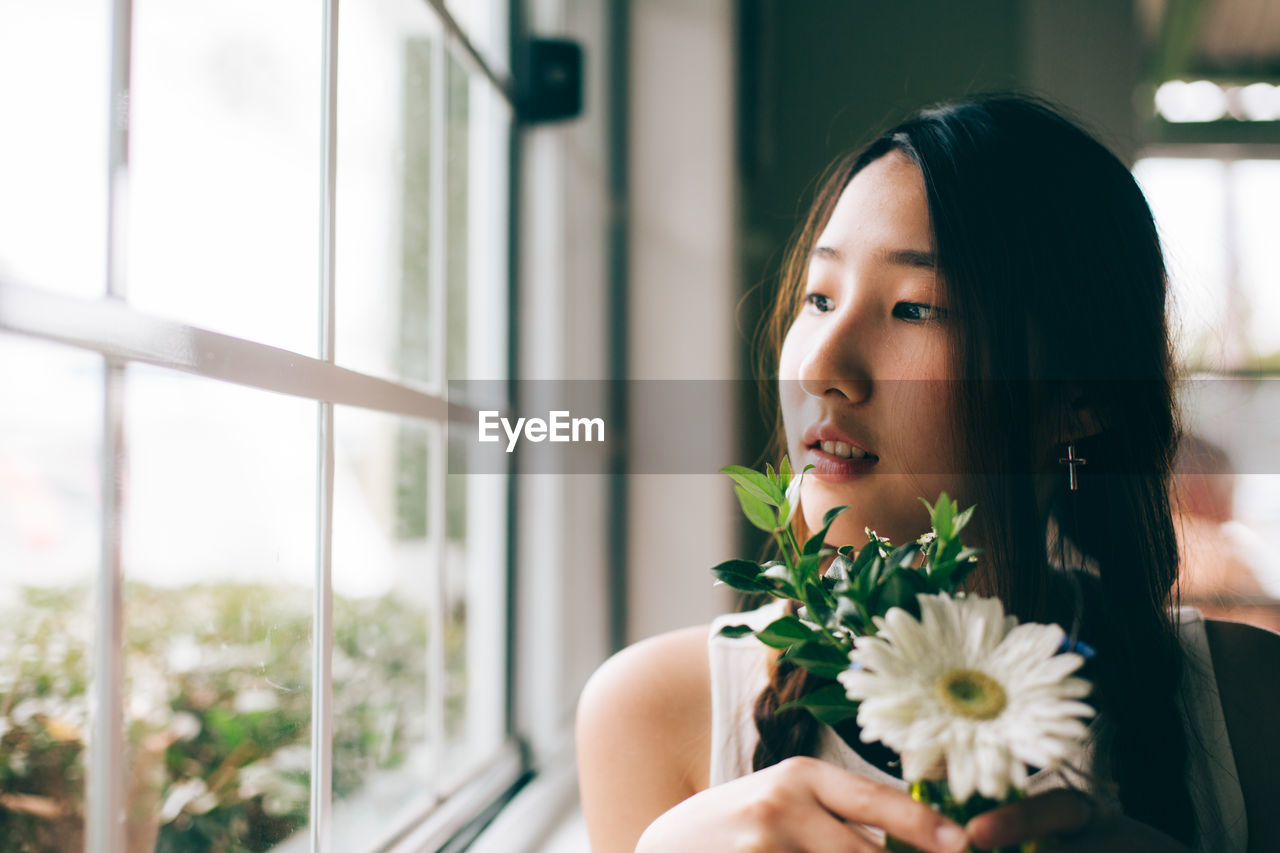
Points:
x=974, y=298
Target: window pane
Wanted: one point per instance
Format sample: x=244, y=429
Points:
x=385, y=577
x=475, y=629
x=1256, y=193
x=219, y=550
x=479, y=121
x=485, y=24
x=386, y=322
x=1187, y=199
x=50, y=538
x=225, y=166
x=53, y=149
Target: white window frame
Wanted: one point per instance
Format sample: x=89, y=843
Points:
x=124, y=336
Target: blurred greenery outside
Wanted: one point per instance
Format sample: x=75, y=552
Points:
x=218, y=677
x=217, y=711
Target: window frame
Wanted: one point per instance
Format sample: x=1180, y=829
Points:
x=123, y=336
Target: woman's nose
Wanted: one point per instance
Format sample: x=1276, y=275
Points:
x=836, y=358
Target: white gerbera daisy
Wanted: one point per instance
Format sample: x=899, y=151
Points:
x=967, y=693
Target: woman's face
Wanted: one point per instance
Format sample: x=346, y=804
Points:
x=866, y=368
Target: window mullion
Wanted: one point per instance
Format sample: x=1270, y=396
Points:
x=106, y=759
x=322, y=680
x=436, y=472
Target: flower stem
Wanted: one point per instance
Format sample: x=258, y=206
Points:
x=795, y=548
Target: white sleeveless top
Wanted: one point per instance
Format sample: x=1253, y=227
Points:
x=740, y=670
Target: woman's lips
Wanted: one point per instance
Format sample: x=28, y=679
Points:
x=827, y=466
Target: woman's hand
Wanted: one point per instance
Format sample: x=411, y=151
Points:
x=1067, y=821
x=801, y=805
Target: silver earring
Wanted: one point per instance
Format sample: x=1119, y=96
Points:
x=1071, y=461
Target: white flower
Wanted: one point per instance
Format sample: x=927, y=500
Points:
x=968, y=693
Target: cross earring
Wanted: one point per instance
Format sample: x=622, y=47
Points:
x=1071, y=461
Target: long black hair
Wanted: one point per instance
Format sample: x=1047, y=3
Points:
x=1050, y=261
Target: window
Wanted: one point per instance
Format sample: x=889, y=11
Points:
x=1216, y=206
x=249, y=600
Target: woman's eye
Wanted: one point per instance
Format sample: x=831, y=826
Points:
x=822, y=303
x=918, y=312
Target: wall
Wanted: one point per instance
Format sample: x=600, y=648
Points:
x=682, y=285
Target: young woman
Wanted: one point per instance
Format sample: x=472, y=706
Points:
x=975, y=297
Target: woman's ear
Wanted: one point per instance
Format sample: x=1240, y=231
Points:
x=1071, y=418
x=1081, y=420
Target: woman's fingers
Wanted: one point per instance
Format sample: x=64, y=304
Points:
x=1062, y=812
x=832, y=835
x=859, y=800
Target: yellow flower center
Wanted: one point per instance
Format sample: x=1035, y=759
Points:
x=971, y=693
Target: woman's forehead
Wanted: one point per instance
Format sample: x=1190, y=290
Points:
x=883, y=208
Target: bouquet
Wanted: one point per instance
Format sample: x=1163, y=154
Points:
x=966, y=696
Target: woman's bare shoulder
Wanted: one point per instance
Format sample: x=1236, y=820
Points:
x=644, y=735
x=1246, y=663
x=658, y=688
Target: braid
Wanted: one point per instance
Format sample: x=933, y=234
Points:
x=787, y=733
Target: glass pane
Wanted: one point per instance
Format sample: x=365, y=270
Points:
x=385, y=578
x=384, y=249
x=1188, y=200
x=50, y=538
x=225, y=166
x=53, y=149
x=484, y=22
x=475, y=629
x=477, y=214
x=219, y=550
x=1256, y=193
x=457, y=136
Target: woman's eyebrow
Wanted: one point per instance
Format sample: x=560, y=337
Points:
x=898, y=257
x=910, y=258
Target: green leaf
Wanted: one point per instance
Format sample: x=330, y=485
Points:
x=942, y=514
x=962, y=572
x=945, y=574
x=784, y=471
x=903, y=556
x=743, y=575
x=852, y=613
x=807, y=568
x=785, y=632
x=838, y=571
x=756, y=483
x=735, y=631
x=817, y=540
x=828, y=704
x=756, y=510
x=899, y=590
x=816, y=598
x=818, y=657
x=961, y=520
x=874, y=571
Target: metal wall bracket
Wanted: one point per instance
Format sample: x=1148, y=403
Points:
x=552, y=82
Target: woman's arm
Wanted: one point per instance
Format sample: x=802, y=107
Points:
x=1246, y=661
x=644, y=731
x=644, y=735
